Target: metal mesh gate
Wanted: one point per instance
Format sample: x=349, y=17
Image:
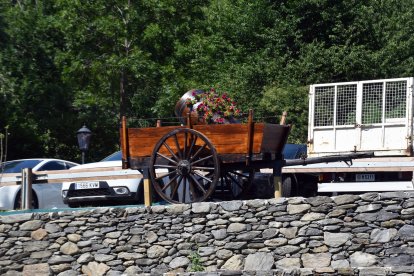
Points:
x=338, y=103
x=335, y=104
x=371, y=115
x=324, y=106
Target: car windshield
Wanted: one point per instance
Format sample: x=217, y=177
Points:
x=18, y=165
x=116, y=156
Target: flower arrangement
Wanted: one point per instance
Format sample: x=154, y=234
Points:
x=213, y=107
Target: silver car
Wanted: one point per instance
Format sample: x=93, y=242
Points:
x=103, y=192
x=45, y=196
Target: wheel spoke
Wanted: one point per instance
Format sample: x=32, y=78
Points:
x=200, y=187
x=177, y=144
x=169, y=183
x=203, y=177
x=166, y=158
x=185, y=145
x=171, y=151
x=198, y=152
x=165, y=166
x=184, y=188
x=174, y=190
x=234, y=181
x=193, y=142
x=164, y=175
x=193, y=194
x=203, y=168
x=201, y=159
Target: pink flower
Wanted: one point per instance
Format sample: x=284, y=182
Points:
x=213, y=107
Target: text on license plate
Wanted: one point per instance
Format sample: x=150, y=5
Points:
x=86, y=185
x=365, y=177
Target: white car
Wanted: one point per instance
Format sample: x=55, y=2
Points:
x=45, y=196
x=103, y=192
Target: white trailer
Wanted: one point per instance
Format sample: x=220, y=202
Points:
x=355, y=117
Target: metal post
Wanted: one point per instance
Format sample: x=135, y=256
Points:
x=26, y=191
x=147, y=188
x=83, y=157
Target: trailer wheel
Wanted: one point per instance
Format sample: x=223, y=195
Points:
x=234, y=184
x=184, y=166
x=288, y=186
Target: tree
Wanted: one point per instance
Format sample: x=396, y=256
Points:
x=36, y=103
x=65, y=63
x=292, y=99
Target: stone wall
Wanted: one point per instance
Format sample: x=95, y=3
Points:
x=369, y=234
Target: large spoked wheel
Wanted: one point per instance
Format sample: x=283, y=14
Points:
x=184, y=167
x=234, y=184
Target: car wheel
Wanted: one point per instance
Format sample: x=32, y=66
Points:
x=18, y=201
x=139, y=196
x=73, y=205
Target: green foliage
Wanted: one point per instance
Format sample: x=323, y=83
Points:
x=67, y=63
x=293, y=100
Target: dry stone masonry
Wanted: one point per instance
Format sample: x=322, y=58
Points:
x=368, y=234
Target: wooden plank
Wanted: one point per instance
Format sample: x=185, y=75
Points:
x=124, y=143
x=231, y=138
x=45, y=177
x=9, y=183
x=143, y=140
x=74, y=179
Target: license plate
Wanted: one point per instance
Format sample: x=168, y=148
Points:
x=86, y=185
x=365, y=177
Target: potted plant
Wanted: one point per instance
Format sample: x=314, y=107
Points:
x=213, y=107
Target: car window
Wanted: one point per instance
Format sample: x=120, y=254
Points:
x=53, y=166
x=294, y=151
x=116, y=156
x=18, y=165
x=70, y=165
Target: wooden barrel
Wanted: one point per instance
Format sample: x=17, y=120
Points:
x=181, y=109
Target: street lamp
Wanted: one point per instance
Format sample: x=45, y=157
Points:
x=84, y=138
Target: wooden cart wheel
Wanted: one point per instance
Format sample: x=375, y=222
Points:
x=234, y=184
x=184, y=166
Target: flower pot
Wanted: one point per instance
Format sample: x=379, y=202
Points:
x=181, y=109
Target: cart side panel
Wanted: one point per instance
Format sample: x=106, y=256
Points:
x=274, y=138
x=231, y=138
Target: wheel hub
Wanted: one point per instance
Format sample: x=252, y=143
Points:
x=183, y=167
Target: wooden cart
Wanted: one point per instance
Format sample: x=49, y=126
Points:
x=194, y=163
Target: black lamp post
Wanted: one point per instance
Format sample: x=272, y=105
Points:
x=84, y=138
